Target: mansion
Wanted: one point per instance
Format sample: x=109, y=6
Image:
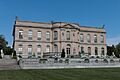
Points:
x=40, y=39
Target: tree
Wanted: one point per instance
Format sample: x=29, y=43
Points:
x=4, y=45
x=110, y=50
x=117, y=50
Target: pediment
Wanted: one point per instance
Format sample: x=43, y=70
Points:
x=70, y=26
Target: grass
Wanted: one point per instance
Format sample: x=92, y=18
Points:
x=62, y=74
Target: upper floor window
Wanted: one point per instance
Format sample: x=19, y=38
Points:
x=30, y=35
x=102, y=39
x=48, y=36
x=20, y=34
x=39, y=35
x=81, y=38
x=55, y=35
x=88, y=38
x=68, y=35
x=95, y=38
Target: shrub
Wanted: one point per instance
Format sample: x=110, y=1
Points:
x=112, y=61
x=86, y=60
x=60, y=61
x=66, y=60
x=42, y=60
x=96, y=61
x=105, y=61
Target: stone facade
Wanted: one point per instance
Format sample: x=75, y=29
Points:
x=38, y=39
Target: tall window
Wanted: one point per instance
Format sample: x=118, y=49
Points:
x=88, y=38
x=96, y=51
x=39, y=49
x=82, y=49
x=30, y=35
x=20, y=34
x=30, y=50
x=20, y=48
x=89, y=50
x=102, y=51
x=48, y=36
x=102, y=39
x=95, y=38
x=81, y=38
x=68, y=35
x=55, y=35
x=39, y=35
x=56, y=48
x=47, y=48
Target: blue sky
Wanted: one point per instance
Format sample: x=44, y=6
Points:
x=85, y=12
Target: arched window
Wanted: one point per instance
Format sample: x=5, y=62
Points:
x=82, y=49
x=47, y=36
x=55, y=48
x=55, y=35
x=96, y=51
x=47, y=48
x=30, y=35
x=102, y=39
x=88, y=38
x=39, y=35
x=102, y=51
x=81, y=38
x=21, y=34
x=30, y=50
x=89, y=50
x=95, y=38
x=39, y=49
x=68, y=35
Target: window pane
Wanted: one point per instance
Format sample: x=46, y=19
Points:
x=39, y=34
x=68, y=35
x=48, y=36
x=88, y=38
x=30, y=34
x=96, y=51
x=47, y=48
x=21, y=34
x=102, y=39
x=55, y=35
x=81, y=38
x=95, y=38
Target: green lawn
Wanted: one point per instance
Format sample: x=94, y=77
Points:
x=62, y=74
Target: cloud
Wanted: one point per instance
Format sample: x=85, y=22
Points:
x=113, y=40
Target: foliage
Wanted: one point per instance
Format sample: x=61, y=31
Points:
x=117, y=50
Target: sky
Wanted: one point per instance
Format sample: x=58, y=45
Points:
x=85, y=12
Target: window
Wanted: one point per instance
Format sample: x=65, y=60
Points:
x=30, y=50
x=39, y=49
x=20, y=48
x=89, y=50
x=48, y=36
x=95, y=38
x=55, y=35
x=88, y=38
x=30, y=35
x=74, y=51
x=81, y=38
x=39, y=35
x=102, y=39
x=47, y=48
x=20, y=34
x=56, y=48
x=96, y=51
x=102, y=51
x=68, y=35
x=82, y=49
